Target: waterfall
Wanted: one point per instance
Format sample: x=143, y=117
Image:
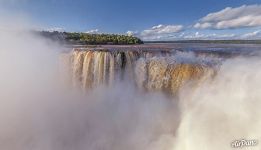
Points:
x=165, y=74
x=148, y=70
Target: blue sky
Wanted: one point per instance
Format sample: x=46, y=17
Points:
x=148, y=19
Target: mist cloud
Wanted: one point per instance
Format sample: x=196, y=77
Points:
x=224, y=109
x=38, y=112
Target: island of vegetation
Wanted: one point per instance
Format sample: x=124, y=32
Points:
x=91, y=39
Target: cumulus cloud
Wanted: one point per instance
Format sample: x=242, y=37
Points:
x=229, y=18
x=94, y=31
x=252, y=35
x=129, y=33
x=132, y=33
x=203, y=36
x=159, y=32
x=162, y=29
x=59, y=29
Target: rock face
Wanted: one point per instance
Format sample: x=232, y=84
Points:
x=148, y=70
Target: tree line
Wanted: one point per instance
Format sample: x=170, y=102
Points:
x=91, y=39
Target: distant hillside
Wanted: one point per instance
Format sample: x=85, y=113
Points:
x=211, y=41
x=91, y=39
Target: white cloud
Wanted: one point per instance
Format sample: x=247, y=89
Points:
x=220, y=36
x=191, y=36
x=244, y=16
x=252, y=35
x=162, y=29
x=203, y=36
x=132, y=33
x=95, y=31
x=59, y=29
x=160, y=32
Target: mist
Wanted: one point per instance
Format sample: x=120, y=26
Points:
x=223, y=110
x=38, y=113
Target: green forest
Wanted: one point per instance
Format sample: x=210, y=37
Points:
x=91, y=39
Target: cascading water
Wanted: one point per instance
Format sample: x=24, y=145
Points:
x=148, y=70
x=169, y=75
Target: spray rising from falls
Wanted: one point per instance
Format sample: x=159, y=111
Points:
x=217, y=110
x=148, y=70
x=210, y=117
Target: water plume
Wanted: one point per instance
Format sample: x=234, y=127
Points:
x=224, y=109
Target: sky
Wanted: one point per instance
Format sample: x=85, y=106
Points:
x=147, y=19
